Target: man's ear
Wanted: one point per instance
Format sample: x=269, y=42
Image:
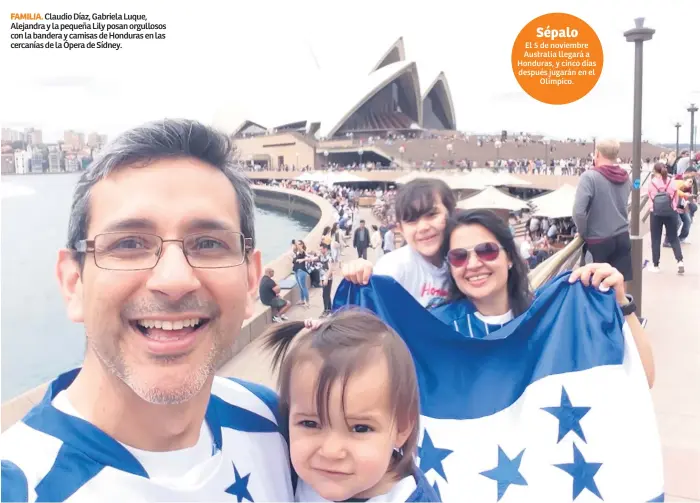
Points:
x=71, y=284
x=254, y=265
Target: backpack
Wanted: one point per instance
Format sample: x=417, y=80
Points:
x=662, y=205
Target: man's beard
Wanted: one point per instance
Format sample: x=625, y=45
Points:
x=112, y=358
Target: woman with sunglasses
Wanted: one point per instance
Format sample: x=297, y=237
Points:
x=490, y=285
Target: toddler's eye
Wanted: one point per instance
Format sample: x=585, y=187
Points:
x=361, y=428
x=307, y=423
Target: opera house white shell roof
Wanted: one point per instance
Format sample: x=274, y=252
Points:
x=397, y=97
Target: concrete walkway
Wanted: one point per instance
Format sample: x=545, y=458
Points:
x=670, y=303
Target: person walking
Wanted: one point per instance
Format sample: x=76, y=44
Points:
x=361, y=240
x=600, y=209
x=664, y=202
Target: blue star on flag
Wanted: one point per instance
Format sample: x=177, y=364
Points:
x=239, y=488
x=569, y=416
x=583, y=473
x=432, y=457
x=507, y=472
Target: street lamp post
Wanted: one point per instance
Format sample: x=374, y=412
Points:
x=678, y=125
x=639, y=34
x=296, y=166
x=546, y=142
x=449, y=152
x=325, y=155
x=402, y=149
x=692, y=109
x=360, y=152
x=498, y=146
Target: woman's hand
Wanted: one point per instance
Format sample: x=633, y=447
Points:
x=312, y=324
x=603, y=277
x=358, y=271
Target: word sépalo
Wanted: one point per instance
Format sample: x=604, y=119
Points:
x=77, y=16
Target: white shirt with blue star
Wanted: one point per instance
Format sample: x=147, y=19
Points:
x=413, y=489
x=55, y=455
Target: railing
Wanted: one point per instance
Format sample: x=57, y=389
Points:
x=571, y=254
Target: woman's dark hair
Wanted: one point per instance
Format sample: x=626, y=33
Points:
x=344, y=344
x=326, y=229
x=519, y=293
x=418, y=198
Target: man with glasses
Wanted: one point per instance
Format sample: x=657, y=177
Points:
x=161, y=269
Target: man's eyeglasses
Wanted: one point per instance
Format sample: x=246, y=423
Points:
x=134, y=251
x=487, y=252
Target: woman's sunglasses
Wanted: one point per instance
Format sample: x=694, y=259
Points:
x=487, y=252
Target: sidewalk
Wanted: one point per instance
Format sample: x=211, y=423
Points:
x=671, y=304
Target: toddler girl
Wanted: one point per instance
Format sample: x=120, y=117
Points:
x=349, y=395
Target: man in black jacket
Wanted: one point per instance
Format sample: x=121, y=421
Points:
x=361, y=240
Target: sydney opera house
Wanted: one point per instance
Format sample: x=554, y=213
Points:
x=390, y=111
x=393, y=97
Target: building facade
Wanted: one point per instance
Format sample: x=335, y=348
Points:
x=7, y=163
x=23, y=161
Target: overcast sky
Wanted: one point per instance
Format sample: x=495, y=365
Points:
x=265, y=61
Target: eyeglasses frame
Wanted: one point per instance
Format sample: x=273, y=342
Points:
x=86, y=246
x=472, y=250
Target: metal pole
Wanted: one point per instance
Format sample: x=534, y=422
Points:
x=638, y=35
x=692, y=109
x=677, y=125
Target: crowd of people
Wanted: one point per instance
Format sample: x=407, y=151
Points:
x=601, y=207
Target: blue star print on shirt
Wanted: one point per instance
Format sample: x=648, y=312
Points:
x=239, y=488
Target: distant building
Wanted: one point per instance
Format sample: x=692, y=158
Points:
x=73, y=163
x=23, y=161
x=10, y=135
x=33, y=136
x=93, y=139
x=74, y=139
x=37, y=165
x=54, y=159
x=7, y=163
x=96, y=140
x=389, y=100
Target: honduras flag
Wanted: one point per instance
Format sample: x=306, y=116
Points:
x=552, y=407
